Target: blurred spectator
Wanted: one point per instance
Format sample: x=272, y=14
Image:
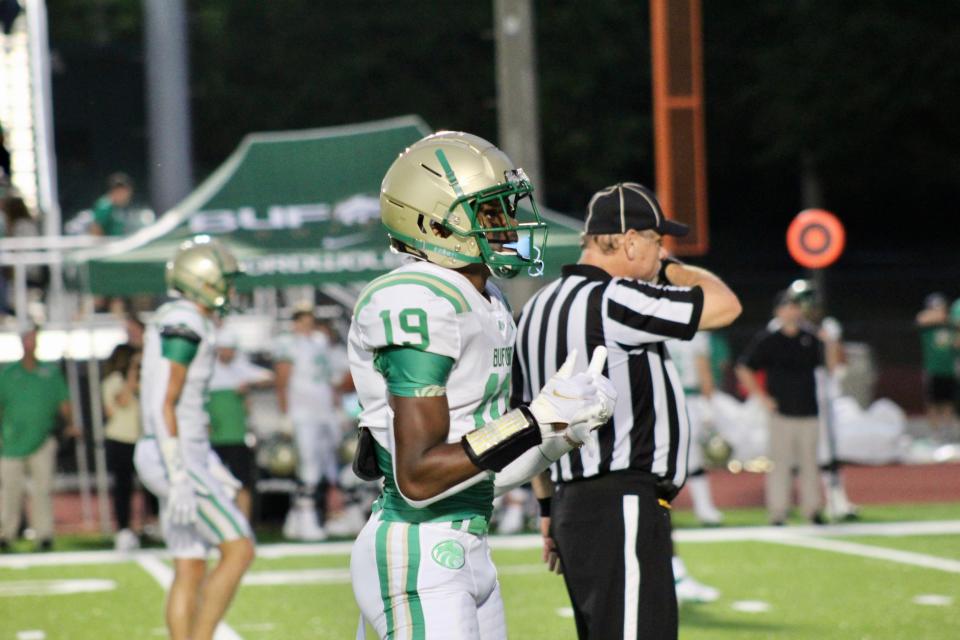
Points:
x=18, y=223
x=829, y=377
x=789, y=351
x=939, y=341
x=32, y=395
x=110, y=211
x=233, y=376
x=121, y=407
x=135, y=329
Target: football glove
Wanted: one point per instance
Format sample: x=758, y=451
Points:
x=182, y=500
x=564, y=397
x=598, y=406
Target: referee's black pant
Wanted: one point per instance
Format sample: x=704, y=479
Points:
x=613, y=536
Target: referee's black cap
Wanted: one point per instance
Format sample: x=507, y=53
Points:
x=628, y=205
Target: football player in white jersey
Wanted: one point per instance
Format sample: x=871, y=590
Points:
x=431, y=349
x=310, y=370
x=174, y=459
x=692, y=360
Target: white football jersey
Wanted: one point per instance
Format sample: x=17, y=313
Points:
x=177, y=316
x=438, y=311
x=317, y=365
x=684, y=354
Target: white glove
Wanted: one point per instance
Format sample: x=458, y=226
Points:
x=182, y=500
x=599, y=411
x=564, y=396
x=231, y=485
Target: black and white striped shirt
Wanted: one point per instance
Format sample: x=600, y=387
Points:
x=585, y=308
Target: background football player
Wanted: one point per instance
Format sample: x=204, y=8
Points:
x=311, y=370
x=174, y=459
x=431, y=349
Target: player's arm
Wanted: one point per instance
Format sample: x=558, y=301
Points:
x=175, y=382
x=426, y=464
x=428, y=468
x=721, y=306
x=178, y=346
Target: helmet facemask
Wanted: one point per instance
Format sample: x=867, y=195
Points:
x=506, y=245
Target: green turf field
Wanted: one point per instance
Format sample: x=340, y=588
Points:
x=879, y=580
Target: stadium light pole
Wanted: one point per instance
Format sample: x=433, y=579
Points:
x=518, y=117
x=168, y=102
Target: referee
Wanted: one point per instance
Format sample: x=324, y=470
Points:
x=610, y=516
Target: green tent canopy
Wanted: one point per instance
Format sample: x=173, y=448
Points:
x=297, y=207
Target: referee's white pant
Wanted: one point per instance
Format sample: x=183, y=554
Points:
x=426, y=581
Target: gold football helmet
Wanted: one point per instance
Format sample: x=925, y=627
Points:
x=203, y=270
x=453, y=199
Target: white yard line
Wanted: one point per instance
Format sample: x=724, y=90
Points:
x=163, y=574
x=869, y=551
x=529, y=541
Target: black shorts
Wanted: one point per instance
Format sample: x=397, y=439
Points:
x=941, y=389
x=611, y=531
x=238, y=458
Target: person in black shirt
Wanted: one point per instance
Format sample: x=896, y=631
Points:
x=789, y=352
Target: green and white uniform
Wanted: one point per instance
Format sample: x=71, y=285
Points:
x=684, y=354
x=424, y=571
x=180, y=333
x=316, y=365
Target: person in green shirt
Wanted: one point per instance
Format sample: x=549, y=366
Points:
x=32, y=396
x=233, y=377
x=109, y=212
x=939, y=344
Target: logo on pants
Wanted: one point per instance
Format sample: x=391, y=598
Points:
x=449, y=554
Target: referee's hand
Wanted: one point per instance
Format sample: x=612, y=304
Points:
x=550, y=554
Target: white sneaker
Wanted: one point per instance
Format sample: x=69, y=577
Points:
x=291, y=524
x=308, y=522
x=126, y=540
x=839, y=507
x=703, y=507
x=310, y=529
x=689, y=590
x=347, y=523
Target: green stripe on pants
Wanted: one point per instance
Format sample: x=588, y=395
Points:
x=383, y=532
x=417, y=620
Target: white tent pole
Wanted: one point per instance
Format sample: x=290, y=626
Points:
x=20, y=295
x=80, y=444
x=96, y=411
x=96, y=419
